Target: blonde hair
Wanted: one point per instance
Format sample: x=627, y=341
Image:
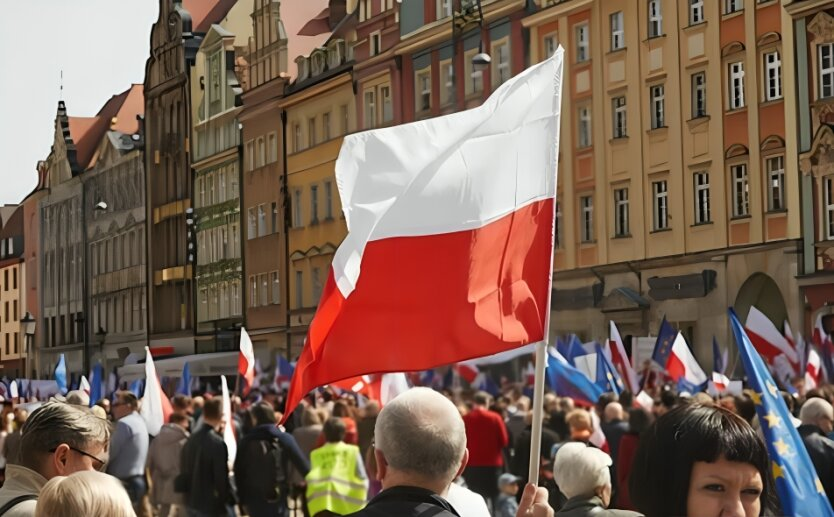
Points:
x=84, y=493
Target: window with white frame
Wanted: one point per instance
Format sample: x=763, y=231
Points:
x=387, y=105
x=370, y=108
x=586, y=204
x=619, y=118
x=375, y=42
x=423, y=88
x=296, y=209
x=263, y=289
x=655, y=19
x=296, y=140
x=696, y=11
x=444, y=9
x=582, y=43
x=273, y=147
x=741, y=194
x=261, y=220
x=447, y=82
x=736, y=85
x=621, y=212
x=252, y=227
x=826, y=67
x=201, y=189
x=584, y=136
x=660, y=205
x=702, y=213
x=250, y=155
x=299, y=289
x=617, y=31
x=325, y=126
x=253, y=291
x=658, y=106
x=775, y=170
x=364, y=10
x=551, y=43
x=731, y=6
x=311, y=132
x=314, y=204
x=276, y=288
x=501, y=70
x=828, y=188
x=699, y=95
x=261, y=152
x=772, y=76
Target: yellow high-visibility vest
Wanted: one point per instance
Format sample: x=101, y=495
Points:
x=332, y=483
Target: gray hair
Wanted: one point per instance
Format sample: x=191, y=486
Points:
x=84, y=493
x=56, y=423
x=422, y=433
x=814, y=410
x=579, y=470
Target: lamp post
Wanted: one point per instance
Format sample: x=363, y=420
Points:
x=460, y=21
x=101, y=336
x=29, y=323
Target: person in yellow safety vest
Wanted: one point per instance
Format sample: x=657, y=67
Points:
x=337, y=483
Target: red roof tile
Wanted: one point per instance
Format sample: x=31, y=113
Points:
x=206, y=12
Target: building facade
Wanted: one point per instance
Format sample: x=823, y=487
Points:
x=31, y=276
x=216, y=163
x=13, y=351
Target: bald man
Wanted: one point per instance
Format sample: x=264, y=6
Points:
x=420, y=447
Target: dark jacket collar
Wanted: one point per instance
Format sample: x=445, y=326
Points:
x=582, y=502
x=412, y=494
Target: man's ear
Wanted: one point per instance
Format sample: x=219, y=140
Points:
x=60, y=458
x=381, y=465
x=463, y=462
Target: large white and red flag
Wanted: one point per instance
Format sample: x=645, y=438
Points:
x=246, y=362
x=450, y=238
x=155, y=407
x=769, y=340
x=621, y=361
x=813, y=369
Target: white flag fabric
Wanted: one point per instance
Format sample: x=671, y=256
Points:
x=155, y=407
x=392, y=385
x=229, y=429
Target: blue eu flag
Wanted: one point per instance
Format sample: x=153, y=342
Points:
x=184, y=386
x=800, y=490
x=663, y=346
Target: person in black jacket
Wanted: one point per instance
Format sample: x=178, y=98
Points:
x=817, y=416
x=262, y=465
x=204, y=472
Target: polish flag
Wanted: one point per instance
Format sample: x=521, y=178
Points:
x=229, y=429
x=246, y=362
x=467, y=372
x=812, y=370
x=449, y=249
x=767, y=339
x=682, y=363
x=720, y=381
x=155, y=407
x=83, y=385
x=620, y=359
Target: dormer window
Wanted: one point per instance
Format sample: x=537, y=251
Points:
x=318, y=59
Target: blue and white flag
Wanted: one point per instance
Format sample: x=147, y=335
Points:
x=60, y=374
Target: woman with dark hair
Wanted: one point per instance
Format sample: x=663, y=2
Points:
x=704, y=461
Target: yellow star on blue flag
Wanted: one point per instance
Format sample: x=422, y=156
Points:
x=796, y=479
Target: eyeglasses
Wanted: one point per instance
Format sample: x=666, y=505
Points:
x=101, y=463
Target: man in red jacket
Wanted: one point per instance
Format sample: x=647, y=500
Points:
x=486, y=437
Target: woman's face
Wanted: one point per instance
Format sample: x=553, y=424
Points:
x=724, y=489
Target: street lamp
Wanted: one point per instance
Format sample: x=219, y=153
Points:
x=29, y=323
x=460, y=22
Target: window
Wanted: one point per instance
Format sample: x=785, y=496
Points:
x=655, y=19
x=210, y=180
x=828, y=187
x=261, y=220
x=274, y=226
x=731, y=6
x=657, y=105
x=299, y=289
x=276, y=288
x=660, y=207
x=775, y=167
x=587, y=205
x=617, y=31
x=311, y=131
x=221, y=190
x=387, y=106
x=423, y=88
x=619, y=119
x=365, y=11
x=345, y=119
x=550, y=45
x=444, y=9
x=375, y=41
x=296, y=209
x=699, y=95
x=263, y=289
x=702, y=214
x=316, y=284
x=261, y=152
x=273, y=147
x=621, y=212
x=201, y=193
x=447, y=83
x=328, y=200
x=250, y=155
x=252, y=228
x=474, y=78
x=370, y=108
x=741, y=195
x=696, y=11
x=296, y=139
x=314, y=204
x=502, y=64
x=736, y=86
x=325, y=127
x=253, y=291
x=14, y=278
x=584, y=139
x=826, y=70
x=582, y=49
x=773, y=76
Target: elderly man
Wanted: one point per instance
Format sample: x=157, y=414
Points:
x=57, y=440
x=420, y=448
x=129, y=450
x=582, y=474
x=817, y=416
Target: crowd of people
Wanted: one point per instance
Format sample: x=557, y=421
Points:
x=426, y=452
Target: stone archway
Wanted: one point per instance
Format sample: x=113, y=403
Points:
x=763, y=292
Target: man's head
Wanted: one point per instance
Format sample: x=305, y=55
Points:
x=179, y=419
x=334, y=430
x=124, y=403
x=79, y=398
x=213, y=413
x=580, y=470
x=481, y=399
x=508, y=483
x=613, y=412
x=420, y=416
x=181, y=404
x=579, y=422
x=818, y=412
x=263, y=413
x=59, y=439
